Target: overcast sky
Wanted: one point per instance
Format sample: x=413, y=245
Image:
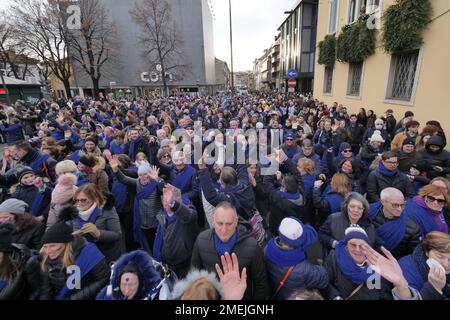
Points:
x=254, y=27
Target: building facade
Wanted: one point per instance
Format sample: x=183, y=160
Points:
x=298, y=44
x=131, y=72
x=417, y=80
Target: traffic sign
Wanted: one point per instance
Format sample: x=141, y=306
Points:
x=292, y=73
x=292, y=83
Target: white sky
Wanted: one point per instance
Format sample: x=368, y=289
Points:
x=255, y=24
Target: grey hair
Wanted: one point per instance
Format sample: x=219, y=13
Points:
x=358, y=197
x=387, y=193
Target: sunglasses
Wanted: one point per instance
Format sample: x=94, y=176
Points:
x=289, y=139
x=433, y=199
x=347, y=151
x=81, y=200
x=165, y=156
x=397, y=205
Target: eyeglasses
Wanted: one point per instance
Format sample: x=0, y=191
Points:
x=289, y=139
x=397, y=205
x=438, y=201
x=347, y=151
x=81, y=200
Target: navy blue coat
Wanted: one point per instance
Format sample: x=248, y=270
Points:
x=12, y=133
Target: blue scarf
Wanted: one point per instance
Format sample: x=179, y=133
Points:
x=422, y=217
x=36, y=206
x=36, y=164
x=75, y=157
x=334, y=200
x=308, y=181
x=222, y=247
x=133, y=144
x=159, y=240
x=385, y=172
x=92, y=219
x=82, y=180
x=120, y=191
x=391, y=233
x=289, y=196
x=88, y=258
x=144, y=193
x=290, y=152
x=348, y=266
x=115, y=148
x=181, y=180
x=284, y=257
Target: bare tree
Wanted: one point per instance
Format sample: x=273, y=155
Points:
x=93, y=46
x=159, y=38
x=41, y=28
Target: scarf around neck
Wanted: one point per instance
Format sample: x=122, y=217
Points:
x=222, y=247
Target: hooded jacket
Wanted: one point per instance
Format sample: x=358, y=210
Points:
x=440, y=158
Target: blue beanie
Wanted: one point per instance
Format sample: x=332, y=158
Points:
x=355, y=232
x=344, y=146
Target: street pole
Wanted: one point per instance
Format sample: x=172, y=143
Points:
x=8, y=100
x=231, y=47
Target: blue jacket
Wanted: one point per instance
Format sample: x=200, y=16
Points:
x=13, y=133
x=304, y=276
x=148, y=274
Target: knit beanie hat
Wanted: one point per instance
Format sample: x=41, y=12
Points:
x=64, y=189
x=6, y=231
x=88, y=161
x=409, y=141
x=376, y=136
x=24, y=171
x=344, y=146
x=290, y=231
x=355, y=232
x=13, y=206
x=60, y=232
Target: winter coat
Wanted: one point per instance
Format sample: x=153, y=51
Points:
x=376, y=182
x=30, y=237
x=343, y=287
x=304, y=276
x=250, y=256
x=54, y=279
x=335, y=225
x=405, y=160
x=327, y=202
x=412, y=237
x=141, y=146
x=110, y=241
x=148, y=274
x=179, y=237
x=27, y=275
x=384, y=134
x=240, y=195
x=12, y=133
x=397, y=142
x=99, y=176
x=29, y=193
x=440, y=159
x=43, y=165
x=356, y=135
x=191, y=188
x=149, y=207
x=313, y=156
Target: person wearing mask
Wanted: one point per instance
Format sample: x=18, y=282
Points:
x=396, y=230
x=379, y=126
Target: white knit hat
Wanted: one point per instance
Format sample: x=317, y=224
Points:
x=290, y=231
x=376, y=136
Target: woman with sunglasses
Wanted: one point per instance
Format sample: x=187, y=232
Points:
x=96, y=219
x=426, y=209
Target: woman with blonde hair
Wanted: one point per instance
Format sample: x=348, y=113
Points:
x=426, y=209
x=427, y=269
x=66, y=166
x=307, y=169
x=330, y=200
x=60, y=252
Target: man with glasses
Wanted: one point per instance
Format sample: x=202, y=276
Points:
x=396, y=230
x=290, y=146
x=387, y=175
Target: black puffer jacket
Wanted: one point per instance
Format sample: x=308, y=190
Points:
x=53, y=280
x=405, y=160
x=411, y=239
x=440, y=159
x=31, y=237
x=26, y=280
x=250, y=256
x=376, y=182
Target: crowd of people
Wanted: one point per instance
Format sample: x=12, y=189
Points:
x=255, y=196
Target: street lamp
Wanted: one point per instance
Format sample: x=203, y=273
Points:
x=231, y=48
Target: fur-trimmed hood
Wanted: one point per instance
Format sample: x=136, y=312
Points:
x=100, y=164
x=182, y=285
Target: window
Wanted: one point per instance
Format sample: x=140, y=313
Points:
x=333, y=15
x=328, y=80
x=355, y=9
x=354, y=78
x=372, y=6
x=402, y=75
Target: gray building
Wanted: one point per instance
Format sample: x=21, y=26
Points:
x=298, y=34
x=195, y=25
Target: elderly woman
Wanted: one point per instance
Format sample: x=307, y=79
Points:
x=355, y=211
x=445, y=184
x=432, y=279
x=426, y=209
x=98, y=221
x=351, y=271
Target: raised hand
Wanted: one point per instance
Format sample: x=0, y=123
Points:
x=114, y=163
x=201, y=163
x=233, y=283
x=154, y=173
x=437, y=278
